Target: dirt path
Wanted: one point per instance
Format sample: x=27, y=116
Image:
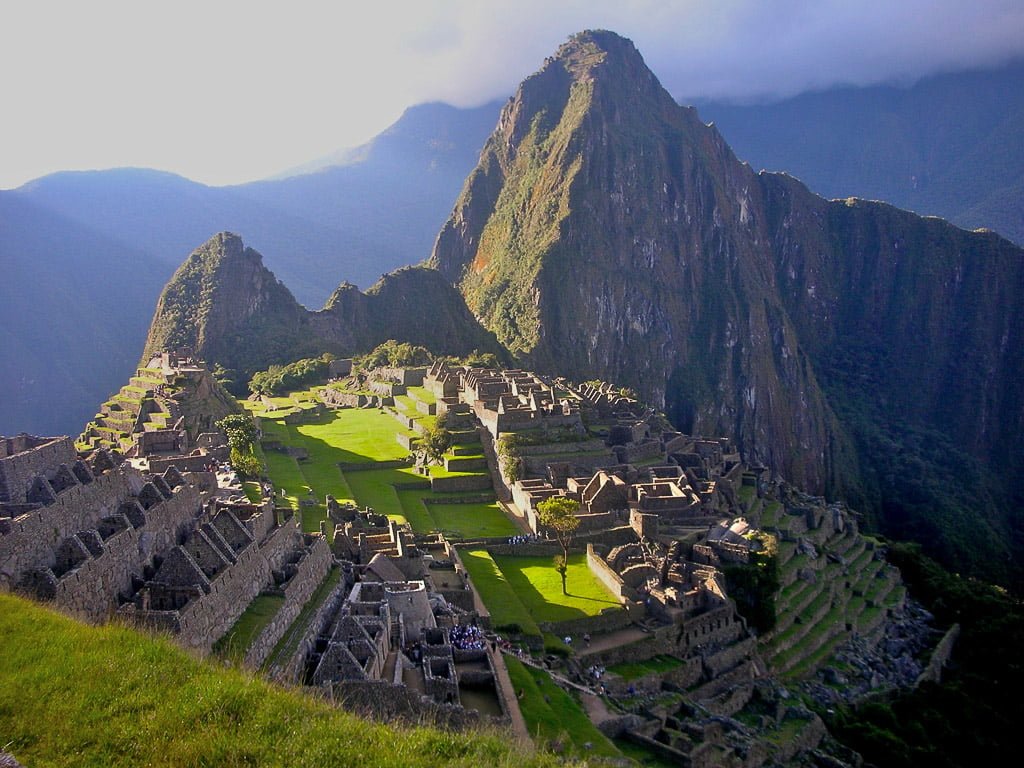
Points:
x=595, y=708
x=611, y=640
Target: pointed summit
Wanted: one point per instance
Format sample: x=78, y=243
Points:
x=608, y=232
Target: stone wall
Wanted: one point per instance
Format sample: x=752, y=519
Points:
x=292, y=669
x=940, y=656
x=638, y=452
x=609, y=620
x=90, y=590
x=608, y=577
x=198, y=463
x=460, y=483
x=384, y=701
x=209, y=616
x=684, y=676
x=584, y=446
x=588, y=462
x=311, y=572
x=24, y=457
x=338, y=399
x=34, y=537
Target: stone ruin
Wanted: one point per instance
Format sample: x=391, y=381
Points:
x=146, y=418
x=97, y=537
x=405, y=638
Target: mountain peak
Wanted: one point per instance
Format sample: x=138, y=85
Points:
x=595, y=46
x=604, y=58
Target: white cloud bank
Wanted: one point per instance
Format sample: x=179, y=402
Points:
x=230, y=91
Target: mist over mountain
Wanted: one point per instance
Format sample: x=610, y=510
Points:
x=949, y=146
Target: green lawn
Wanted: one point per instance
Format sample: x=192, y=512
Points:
x=633, y=670
x=364, y=436
x=471, y=521
x=252, y=491
x=422, y=394
x=260, y=612
x=525, y=590
x=355, y=435
x=497, y=593
x=554, y=717
x=376, y=488
x=539, y=587
x=72, y=694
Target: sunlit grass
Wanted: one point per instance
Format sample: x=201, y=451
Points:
x=74, y=695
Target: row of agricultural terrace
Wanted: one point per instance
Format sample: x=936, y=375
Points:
x=417, y=586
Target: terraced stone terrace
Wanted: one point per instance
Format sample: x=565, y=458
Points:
x=113, y=425
x=825, y=600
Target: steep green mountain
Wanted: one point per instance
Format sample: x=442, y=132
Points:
x=229, y=309
x=859, y=349
x=948, y=146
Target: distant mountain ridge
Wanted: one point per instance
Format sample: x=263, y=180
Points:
x=948, y=146
x=384, y=207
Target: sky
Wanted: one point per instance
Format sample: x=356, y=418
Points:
x=226, y=92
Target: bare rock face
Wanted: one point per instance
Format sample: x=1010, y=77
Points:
x=608, y=232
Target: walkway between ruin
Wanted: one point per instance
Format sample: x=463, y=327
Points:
x=595, y=708
x=561, y=680
x=512, y=702
x=599, y=643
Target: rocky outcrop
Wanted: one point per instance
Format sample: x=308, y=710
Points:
x=228, y=308
x=609, y=232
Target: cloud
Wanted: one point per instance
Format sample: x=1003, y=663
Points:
x=229, y=91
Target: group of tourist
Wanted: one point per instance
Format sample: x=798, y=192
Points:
x=467, y=637
x=523, y=538
x=595, y=671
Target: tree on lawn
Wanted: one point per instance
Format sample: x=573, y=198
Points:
x=559, y=515
x=434, y=441
x=241, y=433
x=240, y=430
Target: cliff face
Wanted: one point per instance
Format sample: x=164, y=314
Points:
x=607, y=231
x=229, y=309
x=624, y=240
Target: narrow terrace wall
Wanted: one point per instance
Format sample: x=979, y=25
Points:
x=311, y=572
x=292, y=669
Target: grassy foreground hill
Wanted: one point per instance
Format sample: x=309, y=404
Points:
x=75, y=695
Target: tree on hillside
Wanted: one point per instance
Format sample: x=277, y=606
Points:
x=559, y=515
x=396, y=354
